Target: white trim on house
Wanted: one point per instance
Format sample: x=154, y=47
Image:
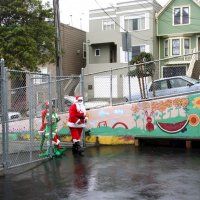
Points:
x=122, y=4
x=103, y=17
x=178, y=34
x=101, y=11
x=134, y=11
x=121, y=19
x=123, y=56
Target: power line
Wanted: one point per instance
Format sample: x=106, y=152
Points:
x=116, y=21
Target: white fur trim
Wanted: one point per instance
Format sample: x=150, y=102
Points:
x=75, y=140
x=73, y=125
x=77, y=121
x=80, y=98
x=41, y=132
x=58, y=141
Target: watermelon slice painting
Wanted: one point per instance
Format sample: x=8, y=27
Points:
x=172, y=128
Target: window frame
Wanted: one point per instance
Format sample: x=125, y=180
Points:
x=166, y=55
x=96, y=52
x=181, y=15
x=179, y=39
x=141, y=46
x=133, y=17
x=84, y=50
x=189, y=39
x=182, y=50
x=38, y=79
x=110, y=26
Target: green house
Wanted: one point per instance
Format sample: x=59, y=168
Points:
x=178, y=32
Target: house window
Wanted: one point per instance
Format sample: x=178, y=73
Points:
x=135, y=23
x=108, y=25
x=136, y=50
x=97, y=52
x=181, y=15
x=39, y=79
x=166, y=47
x=175, y=47
x=185, y=17
x=84, y=50
x=186, y=46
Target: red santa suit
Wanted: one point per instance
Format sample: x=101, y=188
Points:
x=77, y=119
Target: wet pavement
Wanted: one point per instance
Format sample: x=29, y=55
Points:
x=111, y=173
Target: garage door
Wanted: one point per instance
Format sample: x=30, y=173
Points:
x=134, y=85
x=102, y=87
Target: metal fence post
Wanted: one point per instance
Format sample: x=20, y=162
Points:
x=4, y=95
x=111, y=90
x=82, y=84
x=2, y=112
x=31, y=116
x=83, y=95
x=50, y=113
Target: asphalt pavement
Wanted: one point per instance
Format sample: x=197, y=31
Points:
x=110, y=173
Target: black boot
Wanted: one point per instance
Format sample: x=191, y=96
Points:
x=77, y=149
x=74, y=149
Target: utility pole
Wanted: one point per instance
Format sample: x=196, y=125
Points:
x=127, y=49
x=58, y=37
x=59, y=71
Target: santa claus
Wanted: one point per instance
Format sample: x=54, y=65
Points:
x=76, y=123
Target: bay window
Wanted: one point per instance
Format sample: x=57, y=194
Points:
x=175, y=47
x=166, y=48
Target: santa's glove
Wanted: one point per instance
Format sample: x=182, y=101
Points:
x=86, y=119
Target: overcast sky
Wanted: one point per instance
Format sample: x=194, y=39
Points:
x=75, y=12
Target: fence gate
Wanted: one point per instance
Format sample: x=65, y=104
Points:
x=22, y=98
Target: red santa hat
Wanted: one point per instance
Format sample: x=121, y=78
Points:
x=47, y=104
x=78, y=98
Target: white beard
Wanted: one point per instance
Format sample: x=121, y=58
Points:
x=80, y=107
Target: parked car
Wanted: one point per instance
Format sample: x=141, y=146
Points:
x=69, y=100
x=13, y=116
x=169, y=86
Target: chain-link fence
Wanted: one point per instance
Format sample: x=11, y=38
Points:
x=23, y=97
x=145, y=80
x=24, y=94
